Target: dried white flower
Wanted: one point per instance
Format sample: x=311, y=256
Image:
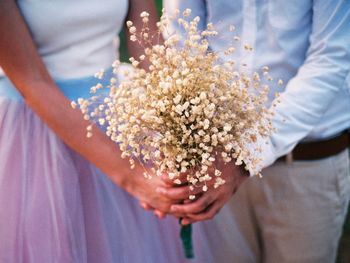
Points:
x=187, y=12
x=132, y=30
x=188, y=111
x=133, y=38
x=144, y=14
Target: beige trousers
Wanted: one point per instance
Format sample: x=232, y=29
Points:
x=295, y=213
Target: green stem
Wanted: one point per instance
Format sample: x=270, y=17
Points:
x=186, y=237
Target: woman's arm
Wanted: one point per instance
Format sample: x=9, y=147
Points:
x=24, y=67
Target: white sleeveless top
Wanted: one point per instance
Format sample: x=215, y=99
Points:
x=75, y=38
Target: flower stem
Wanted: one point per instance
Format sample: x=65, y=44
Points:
x=186, y=237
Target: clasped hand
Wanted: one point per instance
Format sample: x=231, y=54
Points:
x=206, y=204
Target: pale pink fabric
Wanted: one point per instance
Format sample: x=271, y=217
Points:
x=56, y=207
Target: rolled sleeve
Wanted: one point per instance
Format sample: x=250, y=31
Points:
x=318, y=81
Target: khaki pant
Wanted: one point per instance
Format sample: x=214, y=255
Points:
x=295, y=213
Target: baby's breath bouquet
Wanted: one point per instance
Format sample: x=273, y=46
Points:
x=188, y=109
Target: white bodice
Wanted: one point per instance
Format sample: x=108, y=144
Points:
x=75, y=37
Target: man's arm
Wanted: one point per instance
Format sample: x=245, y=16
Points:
x=318, y=81
x=307, y=97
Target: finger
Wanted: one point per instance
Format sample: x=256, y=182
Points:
x=196, y=206
x=208, y=214
x=178, y=193
x=146, y=206
x=182, y=178
x=186, y=201
x=186, y=221
x=159, y=214
x=166, y=179
x=179, y=216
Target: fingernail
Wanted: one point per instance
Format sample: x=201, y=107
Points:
x=160, y=190
x=160, y=215
x=156, y=213
x=173, y=209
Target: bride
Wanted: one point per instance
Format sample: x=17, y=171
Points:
x=63, y=197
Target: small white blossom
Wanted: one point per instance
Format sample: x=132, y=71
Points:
x=189, y=110
x=144, y=14
x=133, y=38
x=177, y=99
x=177, y=181
x=192, y=197
x=132, y=30
x=187, y=12
x=129, y=23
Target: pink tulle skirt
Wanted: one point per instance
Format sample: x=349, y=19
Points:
x=57, y=207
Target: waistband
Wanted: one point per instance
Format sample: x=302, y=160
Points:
x=309, y=151
x=71, y=88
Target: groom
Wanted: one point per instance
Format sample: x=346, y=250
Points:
x=296, y=211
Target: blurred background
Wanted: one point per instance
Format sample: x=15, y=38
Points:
x=344, y=248
x=123, y=51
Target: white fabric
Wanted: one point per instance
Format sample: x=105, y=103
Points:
x=75, y=38
x=306, y=44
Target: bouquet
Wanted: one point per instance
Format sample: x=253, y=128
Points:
x=188, y=109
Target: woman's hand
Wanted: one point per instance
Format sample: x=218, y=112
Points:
x=147, y=190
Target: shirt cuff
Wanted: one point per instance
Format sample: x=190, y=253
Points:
x=264, y=155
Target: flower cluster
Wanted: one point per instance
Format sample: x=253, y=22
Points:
x=186, y=111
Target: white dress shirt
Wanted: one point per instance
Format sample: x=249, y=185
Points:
x=305, y=43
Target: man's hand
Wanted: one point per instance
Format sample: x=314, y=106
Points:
x=209, y=203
